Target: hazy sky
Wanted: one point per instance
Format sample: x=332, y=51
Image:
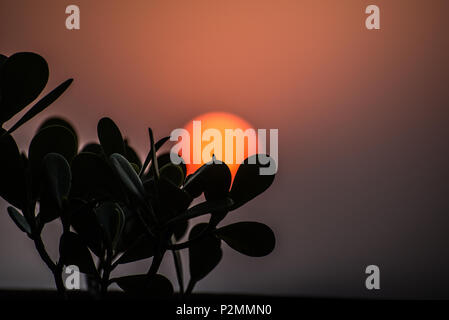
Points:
x=362, y=116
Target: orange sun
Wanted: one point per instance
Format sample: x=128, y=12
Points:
x=220, y=121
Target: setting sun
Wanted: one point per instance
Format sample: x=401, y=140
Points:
x=220, y=121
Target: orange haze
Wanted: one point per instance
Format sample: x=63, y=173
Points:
x=220, y=121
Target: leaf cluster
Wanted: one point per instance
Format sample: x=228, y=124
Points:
x=114, y=208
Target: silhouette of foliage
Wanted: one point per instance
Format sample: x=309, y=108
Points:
x=114, y=208
x=24, y=76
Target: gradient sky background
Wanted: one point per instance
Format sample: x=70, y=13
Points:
x=362, y=117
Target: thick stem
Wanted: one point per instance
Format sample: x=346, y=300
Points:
x=153, y=154
x=156, y=263
x=55, y=269
x=43, y=253
x=57, y=274
x=190, y=287
x=29, y=214
x=188, y=243
x=106, y=272
x=178, y=267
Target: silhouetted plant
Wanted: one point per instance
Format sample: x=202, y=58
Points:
x=110, y=203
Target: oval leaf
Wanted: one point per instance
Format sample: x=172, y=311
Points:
x=42, y=104
x=111, y=219
x=253, y=239
x=171, y=201
x=23, y=77
x=53, y=139
x=173, y=173
x=85, y=223
x=56, y=178
x=213, y=178
x=132, y=155
x=56, y=121
x=12, y=172
x=128, y=175
x=92, y=177
x=176, y=173
x=158, y=285
x=19, y=220
x=73, y=251
x=93, y=147
x=132, y=231
x=248, y=182
x=2, y=61
x=58, y=175
x=204, y=254
x=110, y=137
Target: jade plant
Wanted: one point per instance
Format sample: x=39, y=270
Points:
x=114, y=208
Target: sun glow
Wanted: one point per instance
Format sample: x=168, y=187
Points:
x=224, y=123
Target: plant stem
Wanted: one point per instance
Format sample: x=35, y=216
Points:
x=156, y=263
x=106, y=272
x=43, y=253
x=190, y=286
x=57, y=274
x=200, y=210
x=178, y=267
x=147, y=228
x=186, y=244
x=55, y=269
x=153, y=154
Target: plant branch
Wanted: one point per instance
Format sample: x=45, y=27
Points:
x=106, y=272
x=57, y=274
x=156, y=263
x=188, y=243
x=190, y=286
x=201, y=209
x=56, y=269
x=178, y=266
x=153, y=155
